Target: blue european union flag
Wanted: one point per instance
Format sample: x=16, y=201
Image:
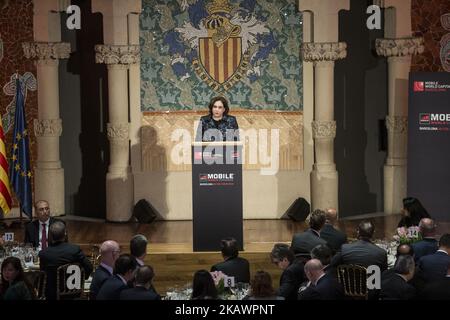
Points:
x=20, y=170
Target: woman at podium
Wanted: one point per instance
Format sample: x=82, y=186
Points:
x=218, y=125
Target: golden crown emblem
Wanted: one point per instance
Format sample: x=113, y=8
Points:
x=219, y=6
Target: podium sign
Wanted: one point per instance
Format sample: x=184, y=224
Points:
x=216, y=194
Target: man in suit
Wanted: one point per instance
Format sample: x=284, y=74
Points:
x=59, y=253
x=233, y=265
x=334, y=237
x=438, y=290
x=143, y=289
x=303, y=242
x=433, y=267
x=138, y=248
x=293, y=271
x=322, y=286
x=124, y=270
x=428, y=244
x=362, y=252
x=109, y=252
x=395, y=286
x=37, y=230
x=324, y=254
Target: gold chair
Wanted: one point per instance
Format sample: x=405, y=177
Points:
x=38, y=280
x=354, y=281
x=70, y=282
x=95, y=256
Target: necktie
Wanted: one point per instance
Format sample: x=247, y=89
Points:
x=44, y=237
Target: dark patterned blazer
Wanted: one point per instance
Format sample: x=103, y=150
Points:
x=228, y=128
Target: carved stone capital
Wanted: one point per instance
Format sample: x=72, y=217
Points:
x=324, y=129
x=47, y=127
x=115, y=54
x=323, y=51
x=118, y=131
x=46, y=50
x=396, y=124
x=399, y=47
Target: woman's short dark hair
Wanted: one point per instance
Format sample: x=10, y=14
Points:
x=17, y=265
x=203, y=286
x=224, y=101
x=229, y=248
x=261, y=285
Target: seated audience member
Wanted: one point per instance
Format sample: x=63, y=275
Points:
x=124, y=269
x=143, y=288
x=293, y=274
x=261, y=288
x=334, y=237
x=362, y=252
x=233, y=265
x=322, y=286
x=59, y=253
x=303, y=242
x=433, y=267
x=203, y=287
x=109, y=252
x=14, y=285
x=402, y=250
x=395, y=286
x=413, y=211
x=428, y=244
x=324, y=254
x=36, y=231
x=138, y=248
x=438, y=290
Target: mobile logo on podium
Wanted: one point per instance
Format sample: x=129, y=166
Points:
x=216, y=179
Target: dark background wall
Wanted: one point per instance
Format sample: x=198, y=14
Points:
x=360, y=104
x=83, y=105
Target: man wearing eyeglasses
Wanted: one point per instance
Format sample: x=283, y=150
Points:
x=36, y=232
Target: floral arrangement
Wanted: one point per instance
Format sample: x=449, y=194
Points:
x=219, y=281
x=408, y=235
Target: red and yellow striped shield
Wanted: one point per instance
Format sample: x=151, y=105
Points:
x=220, y=62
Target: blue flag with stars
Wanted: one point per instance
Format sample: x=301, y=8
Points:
x=20, y=170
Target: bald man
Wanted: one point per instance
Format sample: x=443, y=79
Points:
x=428, y=244
x=322, y=286
x=109, y=252
x=334, y=237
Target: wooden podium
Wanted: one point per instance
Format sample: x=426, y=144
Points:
x=216, y=194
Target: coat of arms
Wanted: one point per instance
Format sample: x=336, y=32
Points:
x=222, y=41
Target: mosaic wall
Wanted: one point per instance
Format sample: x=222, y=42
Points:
x=246, y=50
x=16, y=26
x=431, y=19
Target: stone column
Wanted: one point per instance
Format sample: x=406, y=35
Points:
x=398, y=46
x=323, y=51
x=399, y=53
x=49, y=175
x=119, y=180
x=324, y=177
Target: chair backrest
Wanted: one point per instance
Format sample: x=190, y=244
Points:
x=69, y=281
x=38, y=280
x=354, y=280
x=95, y=256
